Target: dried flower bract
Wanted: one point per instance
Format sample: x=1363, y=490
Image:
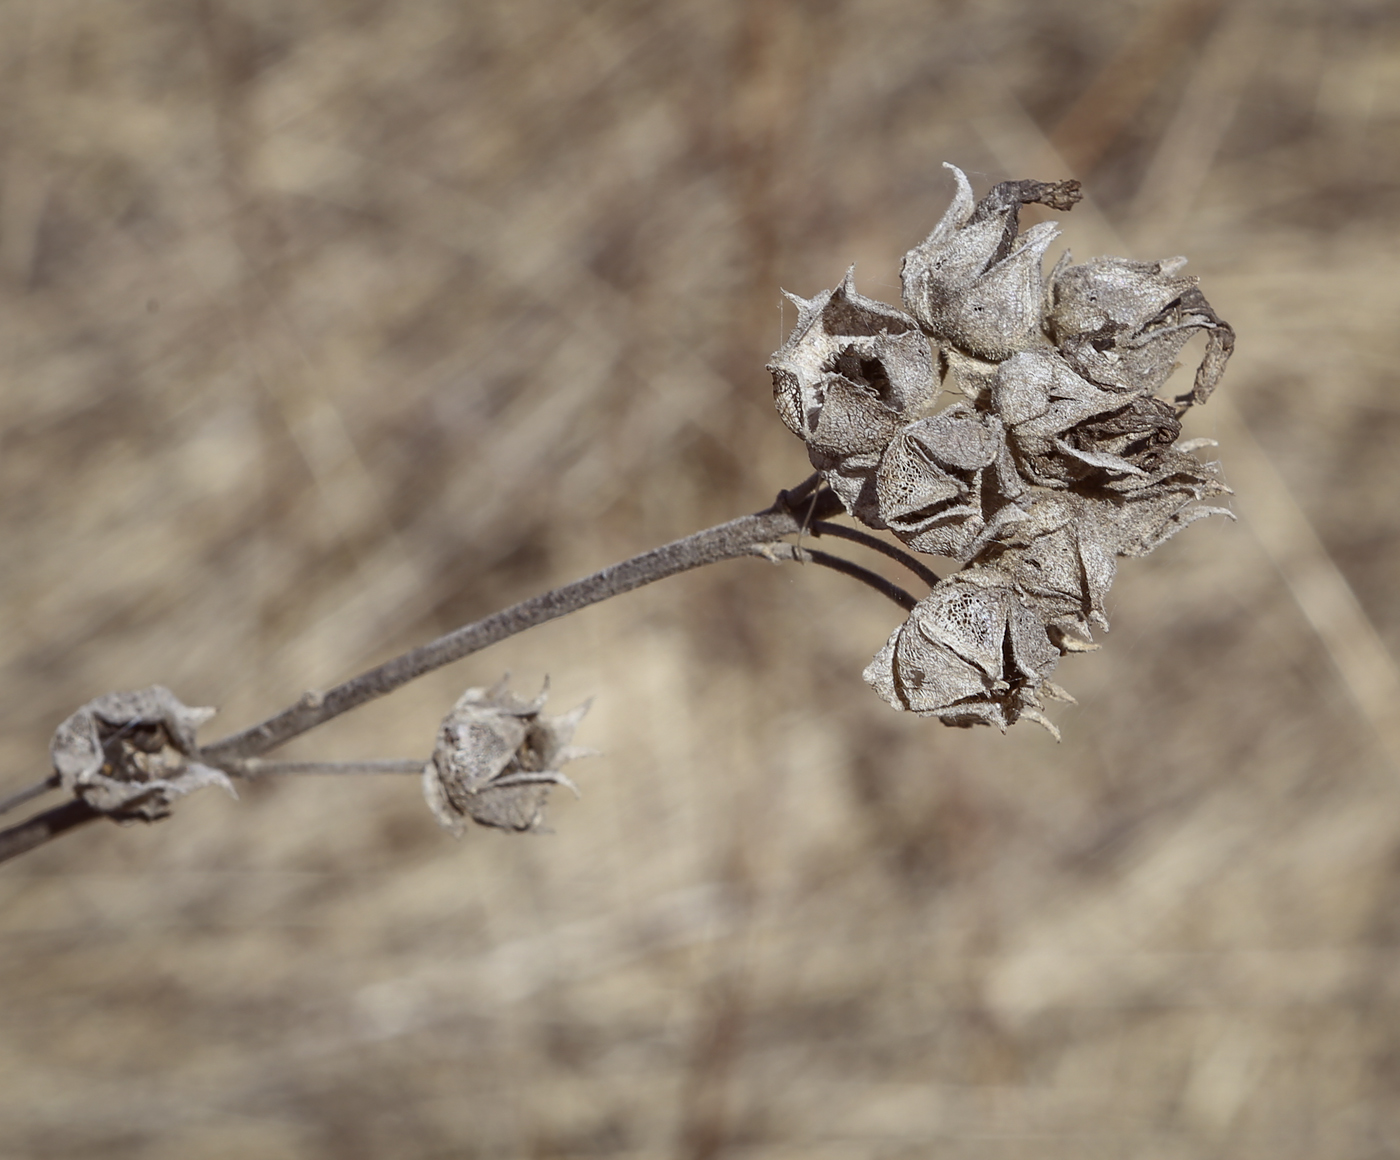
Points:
x=130, y=755
x=1060, y=457
x=497, y=757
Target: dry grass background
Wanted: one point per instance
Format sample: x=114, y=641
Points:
x=327, y=326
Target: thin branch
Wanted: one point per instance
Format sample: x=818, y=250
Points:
x=44, y=827
x=724, y=542
x=29, y=793
x=256, y=767
x=892, y=591
x=799, y=494
x=237, y=754
x=856, y=536
x=864, y=575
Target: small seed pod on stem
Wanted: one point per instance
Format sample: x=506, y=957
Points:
x=497, y=758
x=130, y=755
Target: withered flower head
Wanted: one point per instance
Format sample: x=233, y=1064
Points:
x=1060, y=458
x=497, y=758
x=130, y=755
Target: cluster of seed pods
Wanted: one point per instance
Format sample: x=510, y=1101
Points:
x=1058, y=457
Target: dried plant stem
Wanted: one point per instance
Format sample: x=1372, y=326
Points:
x=44, y=827
x=864, y=575
x=256, y=767
x=865, y=539
x=28, y=793
x=724, y=542
x=779, y=552
x=804, y=508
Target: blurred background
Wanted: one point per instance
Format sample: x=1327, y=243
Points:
x=327, y=327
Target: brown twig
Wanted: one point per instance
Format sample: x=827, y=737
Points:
x=44, y=827
x=29, y=793
x=864, y=575
x=237, y=754
x=795, y=552
x=874, y=543
x=256, y=767
x=724, y=542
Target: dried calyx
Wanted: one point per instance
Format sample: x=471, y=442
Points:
x=130, y=755
x=497, y=757
x=1059, y=457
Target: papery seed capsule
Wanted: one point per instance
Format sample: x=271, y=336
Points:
x=131, y=755
x=497, y=758
x=1122, y=323
x=876, y=352
x=1110, y=296
x=973, y=282
x=931, y=480
x=971, y=653
x=851, y=373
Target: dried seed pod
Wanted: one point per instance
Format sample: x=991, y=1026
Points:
x=973, y=652
x=1066, y=432
x=1121, y=324
x=1106, y=297
x=973, y=282
x=497, y=758
x=1139, y=435
x=130, y=755
x=1064, y=429
x=1059, y=557
x=850, y=374
x=1150, y=517
x=938, y=481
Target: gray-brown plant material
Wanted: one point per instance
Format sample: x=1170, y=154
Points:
x=1060, y=457
x=497, y=758
x=1121, y=324
x=944, y=482
x=1061, y=558
x=974, y=281
x=852, y=372
x=975, y=651
x=130, y=755
x=1065, y=430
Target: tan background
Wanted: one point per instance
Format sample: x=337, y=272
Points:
x=325, y=327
